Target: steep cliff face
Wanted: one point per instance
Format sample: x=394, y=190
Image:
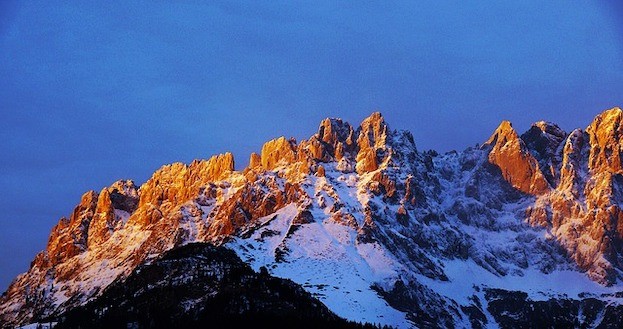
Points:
x=372, y=143
x=583, y=210
x=518, y=166
x=601, y=225
x=377, y=230
x=605, y=139
x=178, y=182
x=92, y=222
x=544, y=140
x=69, y=237
x=574, y=163
x=278, y=151
x=333, y=142
x=107, y=235
x=114, y=206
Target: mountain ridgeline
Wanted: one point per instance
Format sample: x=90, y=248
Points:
x=524, y=230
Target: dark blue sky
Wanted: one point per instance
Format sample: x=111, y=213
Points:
x=93, y=93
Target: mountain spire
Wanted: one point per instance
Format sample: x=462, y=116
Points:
x=508, y=152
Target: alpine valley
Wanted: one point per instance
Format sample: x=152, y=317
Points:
x=353, y=225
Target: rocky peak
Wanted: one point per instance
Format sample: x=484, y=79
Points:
x=87, y=200
x=549, y=128
x=371, y=140
x=334, y=130
x=606, y=143
x=502, y=134
x=215, y=168
x=602, y=191
x=398, y=202
x=121, y=195
x=334, y=140
x=544, y=140
x=69, y=237
x=255, y=160
x=373, y=131
x=543, y=136
x=178, y=182
x=124, y=187
x=509, y=153
x=279, y=151
x=574, y=158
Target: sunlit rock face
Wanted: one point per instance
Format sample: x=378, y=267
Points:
x=583, y=211
x=332, y=142
x=602, y=190
x=605, y=134
x=255, y=160
x=178, y=182
x=278, y=151
x=69, y=237
x=517, y=165
x=339, y=136
x=357, y=213
x=115, y=203
x=372, y=143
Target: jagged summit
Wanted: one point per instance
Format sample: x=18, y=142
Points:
x=544, y=140
x=334, y=130
x=378, y=231
x=605, y=134
x=549, y=128
x=608, y=117
x=502, y=133
x=373, y=130
x=518, y=166
x=363, y=149
x=279, y=151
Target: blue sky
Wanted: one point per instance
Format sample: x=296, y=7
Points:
x=94, y=92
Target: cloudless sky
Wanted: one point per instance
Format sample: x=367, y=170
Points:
x=94, y=92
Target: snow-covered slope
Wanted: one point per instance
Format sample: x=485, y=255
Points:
x=376, y=230
x=201, y=286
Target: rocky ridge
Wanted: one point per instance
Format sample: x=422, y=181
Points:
x=400, y=224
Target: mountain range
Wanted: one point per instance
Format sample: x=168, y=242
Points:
x=353, y=225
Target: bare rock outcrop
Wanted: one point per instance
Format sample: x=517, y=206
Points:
x=544, y=140
x=574, y=163
x=518, y=166
x=250, y=203
x=176, y=183
x=255, y=160
x=584, y=210
x=605, y=137
x=371, y=141
x=70, y=236
x=114, y=206
x=338, y=136
x=279, y=151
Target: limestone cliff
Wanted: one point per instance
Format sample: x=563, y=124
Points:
x=517, y=165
